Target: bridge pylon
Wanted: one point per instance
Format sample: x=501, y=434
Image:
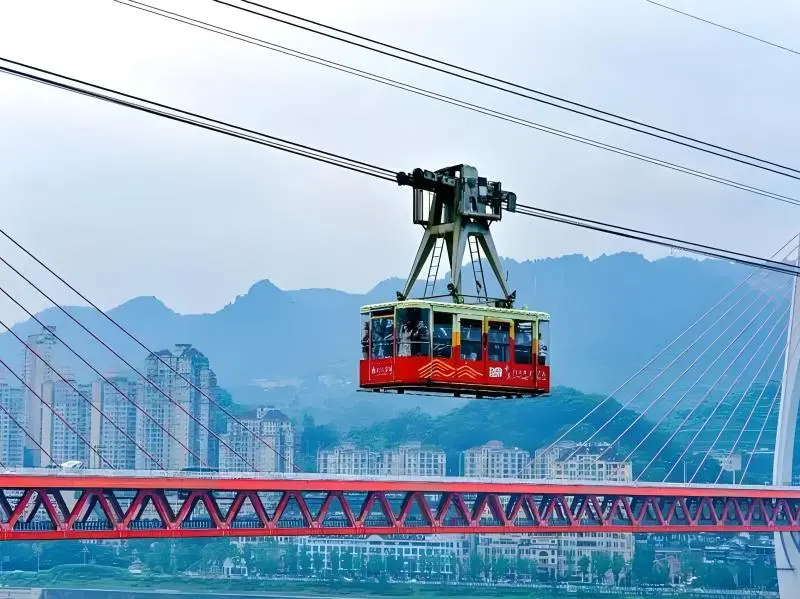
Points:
x=787, y=544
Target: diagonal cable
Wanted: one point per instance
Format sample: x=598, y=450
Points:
x=753, y=410
x=742, y=397
x=143, y=376
x=630, y=401
x=761, y=432
x=138, y=342
x=110, y=382
x=52, y=409
x=707, y=394
x=696, y=322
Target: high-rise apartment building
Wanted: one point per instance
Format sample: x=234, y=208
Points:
x=265, y=441
x=12, y=435
x=180, y=407
x=413, y=459
x=37, y=373
x=408, y=459
x=65, y=438
x=347, y=459
x=590, y=462
x=493, y=460
x=111, y=435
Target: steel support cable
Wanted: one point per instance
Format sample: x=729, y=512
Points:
x=761, y=433
x=725, y=254
x=633, y=125
x=13, y=419
x=775, y=345
x=711, y=250
x=144, y=377
x=197, y=120
x=642, y=414
x=753, y=410
x=71, y=385
x=675, y=405
x=661, y=240
x=725, y=27
x=696, y=407
x=661, y=352
x=727, y=394
x=124, y=395
x=52, y=409
x=451, y=100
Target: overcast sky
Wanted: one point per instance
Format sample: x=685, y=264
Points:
x=125, y=204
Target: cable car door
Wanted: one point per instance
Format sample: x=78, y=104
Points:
x=472, y=364
x=498, y=349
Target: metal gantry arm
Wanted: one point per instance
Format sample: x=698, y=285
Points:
x=454, y=204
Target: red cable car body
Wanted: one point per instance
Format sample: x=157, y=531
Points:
x=473, y=345
x=438, y=347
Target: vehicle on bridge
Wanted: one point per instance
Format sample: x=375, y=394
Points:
x=454, y=343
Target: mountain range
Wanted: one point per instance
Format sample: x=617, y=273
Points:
x=299, y=349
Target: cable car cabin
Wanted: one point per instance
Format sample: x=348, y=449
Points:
x=458, y=349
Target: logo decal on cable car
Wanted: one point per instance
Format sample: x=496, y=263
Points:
x=467, y=372
x=381, y=370
x=436, y=368
x=495, y=372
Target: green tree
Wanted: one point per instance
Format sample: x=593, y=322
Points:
x=475, y=565
x=375, y=565
x=265, y=559
x=291, y=559
x=601, y=563
x=583, y=566
x=394, y=566
x=617, y=566
x=569, y=562
x=348, y=560
x=501, y=567
x=314, y=438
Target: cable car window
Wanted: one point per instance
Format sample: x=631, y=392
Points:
x=523, y=342
x=364, y=336
x=442, y=335
x=544, y=342
x=498, y=341
x=382, y=330
x=413, y=335
x=471, y=346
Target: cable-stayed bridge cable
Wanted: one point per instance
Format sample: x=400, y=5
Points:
x=695, y=408
x=455, y=101
x=131, y=336
x=753, y=410
x=642, y=414
x=111, y=383
x=147, y=380
x=666, y=348
x=776, y=345
x=52, y=409
x=720, y=402
x=509, y=87
x=772, y=406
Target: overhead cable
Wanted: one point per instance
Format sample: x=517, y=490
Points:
x=477, y=108
x=725, y=27
x=106, y=94
x=502, y=85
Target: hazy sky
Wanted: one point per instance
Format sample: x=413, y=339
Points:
x=126, y=204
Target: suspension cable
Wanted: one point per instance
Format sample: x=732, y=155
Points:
x=510, y=87
x=477, y=108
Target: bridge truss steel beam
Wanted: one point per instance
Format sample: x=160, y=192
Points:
x=93, y=507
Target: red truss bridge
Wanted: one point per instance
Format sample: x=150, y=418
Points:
x=36, y=505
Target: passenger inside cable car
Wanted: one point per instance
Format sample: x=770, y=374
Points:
x=421, y=345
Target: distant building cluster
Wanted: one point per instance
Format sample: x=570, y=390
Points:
x=101, y=424
x=408, y=459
